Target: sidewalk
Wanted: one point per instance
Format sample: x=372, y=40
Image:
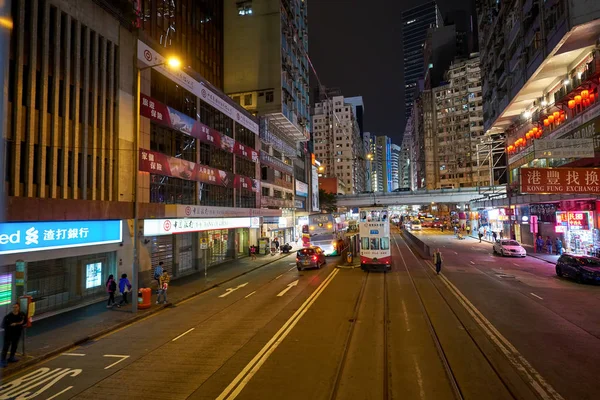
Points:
x=549, y=258
x=56, y=334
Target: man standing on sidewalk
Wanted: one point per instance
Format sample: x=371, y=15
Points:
x=12, y=325
x=158, y=271
x=437, y=260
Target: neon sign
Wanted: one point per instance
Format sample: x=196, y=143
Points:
x=578, y=220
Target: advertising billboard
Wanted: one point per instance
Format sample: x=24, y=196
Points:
x=560, y=180
x=315, y=189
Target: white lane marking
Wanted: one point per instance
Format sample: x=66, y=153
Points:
x=455, y=253
x=59, y=393
x=289, y=286
x=242, y=379
x=183, y=334
x=291, y=269
x=535, y=295
x=539, y=384
x=292, y=263
x=248, y=295
x=73, y=354
x=515, y=264
x=279, y=277
x=122, y=357
x=405, y=316
x=419, y=378
x=472, y=262
x=228, y=291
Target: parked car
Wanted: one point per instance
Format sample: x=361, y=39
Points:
x=310, y=257
x=579, y=267
x=507, y=247
x=415, y=226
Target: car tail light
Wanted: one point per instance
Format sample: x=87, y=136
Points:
x=314, y=258
x=297, y=259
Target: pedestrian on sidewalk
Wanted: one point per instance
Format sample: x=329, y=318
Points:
x=158, y=271
x=501, y=234
x=559, y=246
x=111, y=288
x=124, y=288
x=437, y=260
x=539, y=244
x=468, y=229
x=253, y=252
x=164, y=285
x=495, y=236
x=549, y=244
x=12, y=325
x=276, y=243
x=480, y=236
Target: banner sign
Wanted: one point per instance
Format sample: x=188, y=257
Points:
x=160, y=113
x=560, y=180
x=158, y=227
x=149, y=57
x=267, y=159
x=301, y=189
x=21, y=237
x=180, y=210
x=161, y=164
x=574, y=220
x=564, y=148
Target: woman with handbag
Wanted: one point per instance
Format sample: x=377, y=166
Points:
x=124, y=288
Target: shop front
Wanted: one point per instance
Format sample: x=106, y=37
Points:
x=579, y=233
x=60, y=264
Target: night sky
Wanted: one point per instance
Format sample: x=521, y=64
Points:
x=356, y=45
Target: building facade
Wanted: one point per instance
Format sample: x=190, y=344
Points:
x=415, y=23
x=396, y=177
x=338, y=144
x=89, y=150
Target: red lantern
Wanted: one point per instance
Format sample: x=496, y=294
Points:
x=546, y=122
x=577, y=99
x=551, y=119
x=585, y=94
x=563, y=117
x=592, y=97
x=586, y=103
x=538, y=134
x=528, y=135
x=571, y=104
x=535, y=129
x=556, y=114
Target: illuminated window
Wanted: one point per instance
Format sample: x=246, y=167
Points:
x=5, y=289
x=93, y=275
x=244, y=7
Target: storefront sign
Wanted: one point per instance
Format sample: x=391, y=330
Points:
x=301, y=189
x=5, y=289
x=157, y=227
x=560, y=180
x=174, y=119
x=21, y=237
x=178, y=210
x=300, y=204
x=269, y=160
x=579, y=220
x=315, y=189
x=161, y=164
x=149, y=57
x=564, y=148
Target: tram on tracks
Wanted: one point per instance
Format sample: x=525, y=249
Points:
x=374, y=230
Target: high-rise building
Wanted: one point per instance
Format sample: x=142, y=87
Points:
x=358, y=108
x=396, y=177
x=408, y=157
x=415, y=23
x=266, y=62
x=337, y=142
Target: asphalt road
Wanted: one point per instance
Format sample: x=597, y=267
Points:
x=277, y=333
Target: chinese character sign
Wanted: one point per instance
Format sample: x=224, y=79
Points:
x=21, y=237
x=560, y=180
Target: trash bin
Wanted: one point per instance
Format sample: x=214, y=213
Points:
x=144, y=298
x=349, y=257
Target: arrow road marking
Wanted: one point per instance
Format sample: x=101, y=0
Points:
x=289, y=286
x=228, y=291
x=115, y=356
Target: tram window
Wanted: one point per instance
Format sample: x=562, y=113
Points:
x=374, y=244
x=363, y=216
x=385, y=243
x=384, y=216
x=365, y=243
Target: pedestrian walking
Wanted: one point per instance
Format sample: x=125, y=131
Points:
x=158, y=271
x=480, y=236
x=124, y=288
x=12, y=325
x=111, y=288
x=501, y=234
x=539, y=244
x=276, y=243
x=468, y=229
x=253, y=252
x=164, y=285
x=549, y=244
x=558, y=246
x=495, y=236
x=437, y=260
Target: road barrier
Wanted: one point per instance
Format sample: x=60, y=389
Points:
x=421, y=247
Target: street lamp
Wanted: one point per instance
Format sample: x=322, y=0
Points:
x=175, y=63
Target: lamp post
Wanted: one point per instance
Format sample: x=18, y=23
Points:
x=174, y=63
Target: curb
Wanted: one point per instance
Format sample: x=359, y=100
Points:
x=534, y=255
x=26, y=364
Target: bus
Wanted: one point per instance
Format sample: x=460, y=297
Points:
x=326, y=231
x=374, y=230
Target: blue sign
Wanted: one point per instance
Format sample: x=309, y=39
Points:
x=374, y=232
x=21, y=237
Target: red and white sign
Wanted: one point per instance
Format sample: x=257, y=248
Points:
x=560, y=180
x=158, y=227
x=181, y=211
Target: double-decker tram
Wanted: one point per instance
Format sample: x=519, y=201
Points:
x=374, y=230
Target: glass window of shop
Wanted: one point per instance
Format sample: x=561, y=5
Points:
x=168, y=92
x=169, y=190
x=245, y=136
x=245, y=167
x=220, y=245
x=215, y=119
x=172, y=143
x=216, y=158
x=213, y=195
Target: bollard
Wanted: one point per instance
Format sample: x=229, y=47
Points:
x=349, y=258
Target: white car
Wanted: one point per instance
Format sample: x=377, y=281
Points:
x=506, y=247
x=415, y=226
